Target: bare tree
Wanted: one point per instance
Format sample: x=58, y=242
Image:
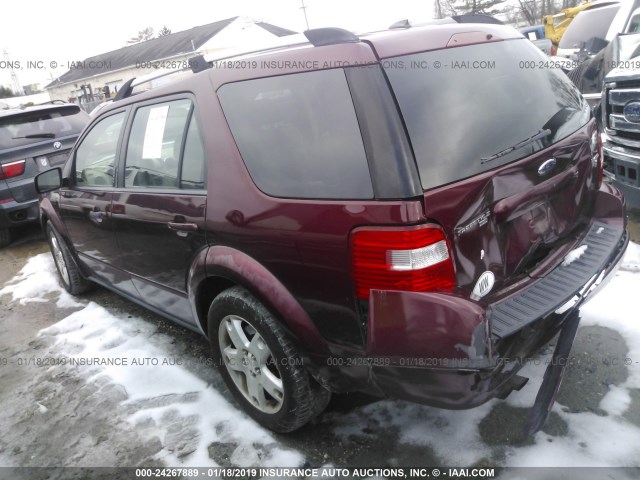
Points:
x=486, y=7
x=444, y=8
x=529, y=11
x=143, y=36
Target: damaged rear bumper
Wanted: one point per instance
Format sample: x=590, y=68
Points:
x=452, y=352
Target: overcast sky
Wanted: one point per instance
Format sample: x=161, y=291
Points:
x=68, y=30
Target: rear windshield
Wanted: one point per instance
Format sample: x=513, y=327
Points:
x=589, y=24
x=467, y=108
x=36, y=126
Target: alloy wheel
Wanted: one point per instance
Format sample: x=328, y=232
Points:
x=58, y=257
x=251, y=364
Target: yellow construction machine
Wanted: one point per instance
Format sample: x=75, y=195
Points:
x=556, y=25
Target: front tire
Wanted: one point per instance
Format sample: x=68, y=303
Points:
x=260, y=364
x=69, y=274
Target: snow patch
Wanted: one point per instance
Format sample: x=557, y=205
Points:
x=574, y=255
x=36, y=281
x=616, y=401
x=186, y=413
x=631, y=260
x=593, y=441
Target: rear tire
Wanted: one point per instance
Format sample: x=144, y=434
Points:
x=260, y=364
x=68, y=272
x=5, y=237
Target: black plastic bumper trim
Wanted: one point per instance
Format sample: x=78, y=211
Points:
x=559, y=286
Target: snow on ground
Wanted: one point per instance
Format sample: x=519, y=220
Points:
x=37, y=281
x=170, y=391
x=92, y=337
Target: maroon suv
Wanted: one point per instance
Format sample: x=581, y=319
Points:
x=410, y=213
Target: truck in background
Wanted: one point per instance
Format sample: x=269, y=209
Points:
x=621, y=130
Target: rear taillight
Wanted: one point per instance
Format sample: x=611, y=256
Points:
x=12, y=169
x=415, y=259
x=554, y=50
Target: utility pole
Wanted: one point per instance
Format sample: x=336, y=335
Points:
x=304, y=10
x=17, y=89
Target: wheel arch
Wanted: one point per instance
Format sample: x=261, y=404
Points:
x=218, y=268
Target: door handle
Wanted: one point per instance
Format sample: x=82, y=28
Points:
x=182, y=227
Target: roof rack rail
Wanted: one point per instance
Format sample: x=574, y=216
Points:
x=125, y=90
x=320, y=37
x=199, y=64
x=54, y=102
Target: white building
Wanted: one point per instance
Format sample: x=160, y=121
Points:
x=85, y=81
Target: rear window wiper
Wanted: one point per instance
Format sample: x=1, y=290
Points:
x=37, y=135
x=537, y=136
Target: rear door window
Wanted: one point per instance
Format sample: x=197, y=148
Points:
x=155, y=145
x=194, y=165
x=298, y=135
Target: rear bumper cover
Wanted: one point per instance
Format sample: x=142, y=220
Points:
x=14, y=214
x=463, y=353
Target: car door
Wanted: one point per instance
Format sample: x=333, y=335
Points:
x=158, y=209
x=85, y=200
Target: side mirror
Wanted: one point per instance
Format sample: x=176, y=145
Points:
x=49, y=180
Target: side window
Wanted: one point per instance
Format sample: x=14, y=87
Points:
x=634, y=23
x=193, y=163
x=298, y=135
x=155, y=143
x=95, y=156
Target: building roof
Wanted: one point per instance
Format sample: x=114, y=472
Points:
x=274, y=29
x=159, y=48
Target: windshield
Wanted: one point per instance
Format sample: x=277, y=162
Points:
x=589, y=24
x=471, y=109
x=29, y=127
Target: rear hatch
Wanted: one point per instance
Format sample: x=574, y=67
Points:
x=505, y=150
x=34, y=140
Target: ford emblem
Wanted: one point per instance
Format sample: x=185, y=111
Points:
x=57, y=145
x=547, y=167
x=631, y=112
